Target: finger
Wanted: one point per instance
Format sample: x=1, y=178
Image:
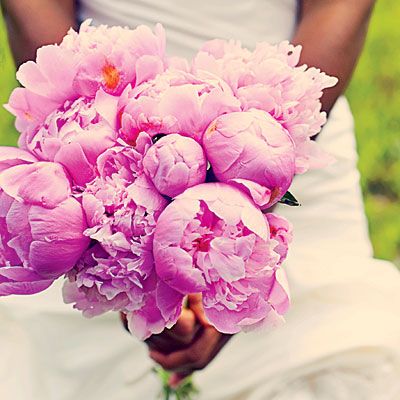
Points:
x=223, y=340
x=195, y=303
x=194, y=357
x=124, y=320
x=185, y=324
x=179, y=336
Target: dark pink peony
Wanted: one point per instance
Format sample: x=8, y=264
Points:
x=117, y=273
x=212, y=239
x=254, y=151
x=41, y=224
x=100, y=283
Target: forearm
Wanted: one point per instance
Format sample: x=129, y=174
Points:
x=34, y=23
x=332, y=33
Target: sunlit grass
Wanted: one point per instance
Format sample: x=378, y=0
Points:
x=8, y=135
x=374, y=96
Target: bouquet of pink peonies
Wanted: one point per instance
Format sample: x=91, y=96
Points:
x=141, y=179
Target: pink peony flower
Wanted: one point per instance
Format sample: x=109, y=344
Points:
x=162, y=309
x=213, y=239
x=115, y=57
x=117, y=273
x=281, y=230
x=175, y=163
x=20, y=280
x=174, y=102
x=75, y=135
x=122, y=205
x=100, y=283
x=41, y=224
x=48, y=83
x=269, y=79
x=253, y=150
x=95, y=58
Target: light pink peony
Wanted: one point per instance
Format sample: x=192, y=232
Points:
x=175, y=163
x=75, y=135
x=213, y=239
x=254, y=151
x=269, y=79
x=174, y=102
x=48, y=83
x=115, y=57
x=95, y=58
x=41, y=224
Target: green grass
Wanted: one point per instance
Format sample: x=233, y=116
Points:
x=8, y=135
x=374, y=96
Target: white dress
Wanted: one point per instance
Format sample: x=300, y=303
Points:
x=341, y=340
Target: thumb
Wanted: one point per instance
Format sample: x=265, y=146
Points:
x=185, y=324
x=195, y=303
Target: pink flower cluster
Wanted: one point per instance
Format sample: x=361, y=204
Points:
x=143, y=180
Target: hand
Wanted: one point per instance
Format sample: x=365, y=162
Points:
x=190, y=345
x=178, y=337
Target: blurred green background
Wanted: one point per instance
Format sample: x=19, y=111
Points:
x=374, y=96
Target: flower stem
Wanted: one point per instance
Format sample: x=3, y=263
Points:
x=185, y=391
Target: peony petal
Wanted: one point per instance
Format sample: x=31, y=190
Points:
x=146, y=321
x=228, y=265
x=107, y=107
x=148, y=67
x=11, y=156
x=279, y=294
x=261, y=195
x=169, y=302
x=42, y=183
x=58, y=239
x=19, y=280
x=75, y=161
x=178, y=270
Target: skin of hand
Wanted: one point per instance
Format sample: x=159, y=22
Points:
x=190, y=345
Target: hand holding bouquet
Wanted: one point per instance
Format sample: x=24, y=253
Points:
x=143, y=180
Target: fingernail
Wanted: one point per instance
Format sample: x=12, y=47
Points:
x=174, y=380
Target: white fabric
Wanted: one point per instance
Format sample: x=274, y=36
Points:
x=189, y=23
x=342, y=336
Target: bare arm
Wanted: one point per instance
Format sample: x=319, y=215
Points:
x=332, y=33
x=34, y=23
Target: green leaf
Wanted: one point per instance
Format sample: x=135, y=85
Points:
x=157, y=137
x=289, y=200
